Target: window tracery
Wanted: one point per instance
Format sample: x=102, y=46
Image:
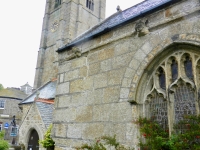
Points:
x=173, y=90
x=174, y=70
x=90, y=4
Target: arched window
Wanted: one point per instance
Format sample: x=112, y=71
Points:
x=171, y=90
x=162, y=78
x=188, y=67
x=174, y=70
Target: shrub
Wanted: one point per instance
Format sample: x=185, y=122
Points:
x=48, y=141
x=3, y=144
x=103, y=143
x=186, y=135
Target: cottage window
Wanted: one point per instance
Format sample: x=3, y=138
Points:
x=172, y=89
x=2, y=104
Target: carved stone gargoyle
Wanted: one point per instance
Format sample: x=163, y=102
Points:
x=76, y=51
x=141, y=28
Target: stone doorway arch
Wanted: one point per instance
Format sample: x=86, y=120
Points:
x=33, y=143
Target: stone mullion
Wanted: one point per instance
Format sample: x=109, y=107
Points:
x=169, y=97
x=194, y=68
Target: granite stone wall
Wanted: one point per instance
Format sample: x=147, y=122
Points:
x=94, y=90
x=31, y=119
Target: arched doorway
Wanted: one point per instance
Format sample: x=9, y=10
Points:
x=33, y=143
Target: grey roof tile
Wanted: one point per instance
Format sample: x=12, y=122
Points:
x=119, y=18
x=46, y=112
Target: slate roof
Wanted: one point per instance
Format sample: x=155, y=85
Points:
x=46, y=112
x=120, y=18
x=44, y=100
x=12, y=93
x=47, y=91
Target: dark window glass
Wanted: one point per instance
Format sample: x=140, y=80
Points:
x=87, y=3
x=184, y=102
x=90, y=4
x=158, y=110
x=57, y=3
x=174, y=70
x=2, y=103
x=188, y=67
x=162, y=78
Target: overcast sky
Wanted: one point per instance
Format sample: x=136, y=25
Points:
x=20, y=28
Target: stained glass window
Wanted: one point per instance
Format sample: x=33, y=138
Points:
x=174, y=70
x=184, y=102
x=162, y=78
x=188, y=67
x=158, y=110
x=177, y=99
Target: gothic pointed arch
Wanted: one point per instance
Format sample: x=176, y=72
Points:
x=171, y=85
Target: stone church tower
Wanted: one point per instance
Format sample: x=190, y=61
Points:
x=63, y=21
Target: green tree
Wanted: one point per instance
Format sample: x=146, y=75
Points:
x=1, y=87
x=3, y=144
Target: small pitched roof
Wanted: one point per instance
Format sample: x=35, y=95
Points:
x=120, y=18
x=47, y=91
x=12, y=93
x=44, y=100
x=26, y=85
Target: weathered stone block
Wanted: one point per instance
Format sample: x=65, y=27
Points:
x=94, y=97
x=74, y=131
x=81, y=85
x=64, y=101
x=106, y=36
x=84, y=114
x=122, y=47
x=115, y=76
x=79, y=62
x=78, y=99
x=64, y=115
x=63, y=88
x=121, y=60
x=121, y=112
x=94, y=68
x=61, y=78
x=129, y=73
x=60, y=130
x=106, y=54
x=126, y=82
x=106, y=65
x=111, y=94
x=71, y=75
x=100, y=80
x=92, y=130
x=139, y=55
x=83, y=72
x=146, y=48
x=93, y=57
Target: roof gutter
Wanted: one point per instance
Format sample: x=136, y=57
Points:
x=11, y=97
x=134, y=17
